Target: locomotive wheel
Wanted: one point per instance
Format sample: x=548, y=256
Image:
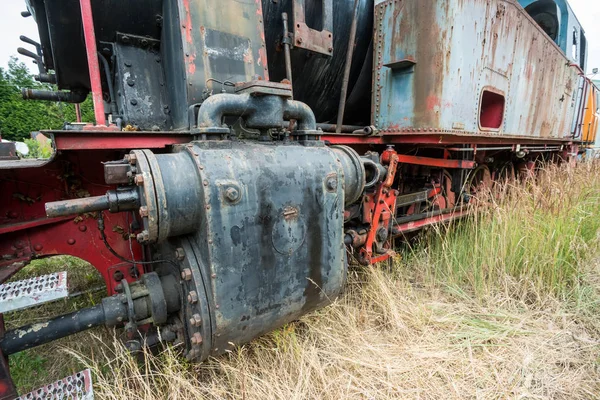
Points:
x=504, y=177
x=446, y=199
x=479, y=181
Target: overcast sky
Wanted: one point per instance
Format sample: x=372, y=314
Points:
x=12, y=25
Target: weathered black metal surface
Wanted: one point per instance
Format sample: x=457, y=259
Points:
x=61, y=33
x=318, y=79
x=140, y=85
x=269, y=247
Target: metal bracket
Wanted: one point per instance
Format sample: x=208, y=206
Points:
x=311, y=39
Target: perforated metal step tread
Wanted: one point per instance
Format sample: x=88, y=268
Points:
x=77, y=386
x=32, y=292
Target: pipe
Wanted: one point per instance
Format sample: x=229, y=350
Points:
x=40, y=333
x=124, y=199
x=111, y=91
x=92, y=59
x=302, y=113
x=77, y=206
x=259, y=111
x=349, y=54
x=286, y=50
x=46, y=78
x=46, y=95
x=345, y=128
x=36, y=57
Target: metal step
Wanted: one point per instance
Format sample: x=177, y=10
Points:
x=32, y=292
x=77, y=386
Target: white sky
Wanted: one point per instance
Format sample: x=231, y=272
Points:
x=12, y=25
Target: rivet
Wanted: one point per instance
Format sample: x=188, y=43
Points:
x=213, y=276
x=133, y=102
x=71, y=241
x=143, y=211
x=82, y=228
x=38, y=247
x=208, y=206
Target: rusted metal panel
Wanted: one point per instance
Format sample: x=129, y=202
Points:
x=434, y=60
x=205, y=45
x=319, y=41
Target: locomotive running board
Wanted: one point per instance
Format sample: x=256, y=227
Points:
x=32, y=292
x=77, y=386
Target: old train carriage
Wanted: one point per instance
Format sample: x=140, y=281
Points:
x=241, y=154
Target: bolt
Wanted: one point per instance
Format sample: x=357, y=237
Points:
x=71, y=242
x=82, y=228
x=331, y=183
x=196, y=338
x=139, y=180
x=143, y=236
x=179, y=254
x=192, y=297
x=118, y=276
x=186, y=274
x=131, y=158
x=196, y=320
x=330, y=49
x=130, y=82
x=299, y=40
x=143, y=211
x=232, y=194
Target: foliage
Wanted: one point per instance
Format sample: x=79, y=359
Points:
x=18, y=117
x=36, y=150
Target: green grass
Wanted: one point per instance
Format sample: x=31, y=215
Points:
x=33, y=368
x=539, y=236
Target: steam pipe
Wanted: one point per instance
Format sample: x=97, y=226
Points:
x=302, y=113
x=46, y=95
x=259, y=111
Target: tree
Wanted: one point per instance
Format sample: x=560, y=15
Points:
x=18, y=117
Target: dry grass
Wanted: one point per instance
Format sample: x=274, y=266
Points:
x=501, y=306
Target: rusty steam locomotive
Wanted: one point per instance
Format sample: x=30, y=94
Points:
x=247, y=149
